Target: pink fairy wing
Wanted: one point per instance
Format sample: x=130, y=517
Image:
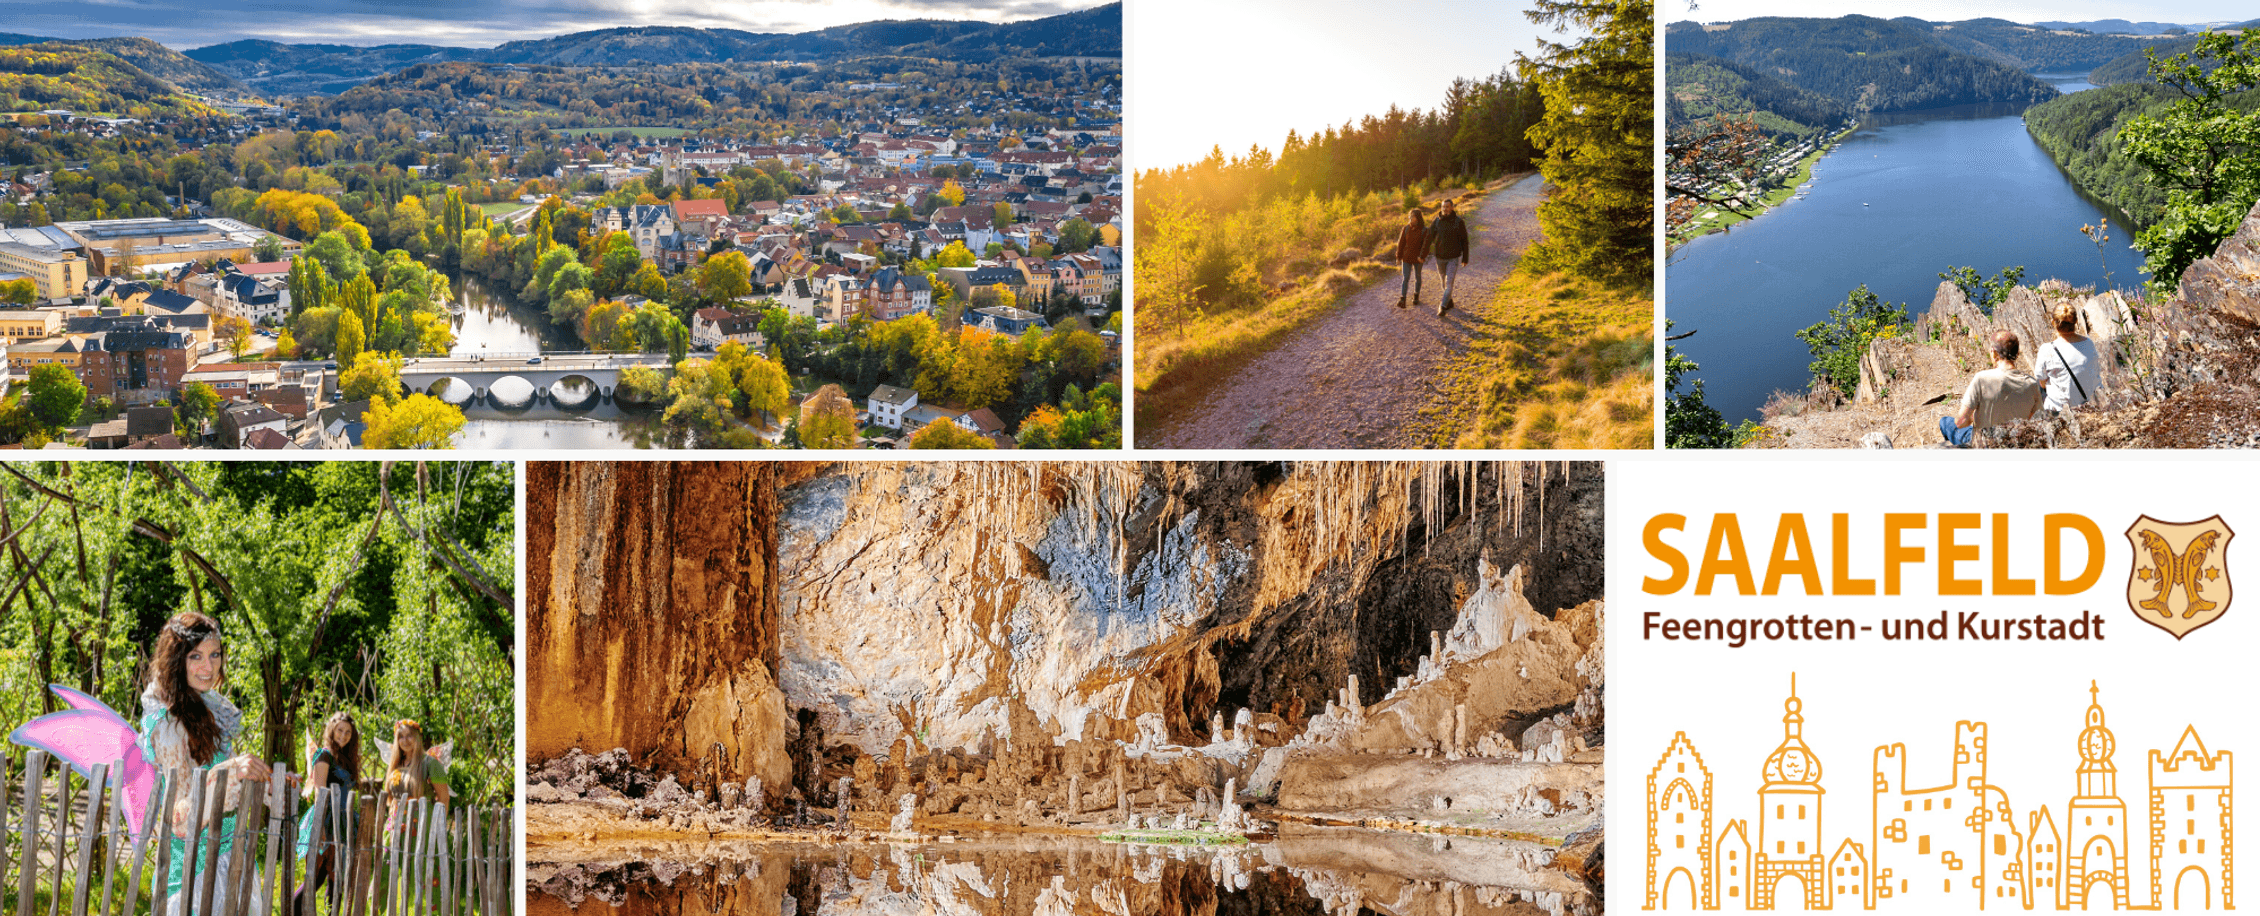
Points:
x=90, y=734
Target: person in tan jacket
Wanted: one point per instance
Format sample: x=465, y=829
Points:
x=1996, y=397
x=1412, y=253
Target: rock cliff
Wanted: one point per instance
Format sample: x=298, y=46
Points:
x=2182, y=373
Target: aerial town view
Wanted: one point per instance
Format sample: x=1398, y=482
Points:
x=891, y=234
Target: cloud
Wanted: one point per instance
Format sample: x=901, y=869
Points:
x=179, y=24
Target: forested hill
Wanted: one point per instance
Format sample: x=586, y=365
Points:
x=299, y=69
x=2031, y=48
x=86, y=80
x=1699, y=86
x=2080, y=131
x=2135, y=66
x=151, y=58
x=1867, y=63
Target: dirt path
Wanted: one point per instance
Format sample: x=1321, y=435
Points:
x=1355, y=377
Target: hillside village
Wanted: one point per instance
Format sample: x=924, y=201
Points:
x=884, y=212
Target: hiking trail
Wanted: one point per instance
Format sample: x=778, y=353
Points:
x=1357, y=376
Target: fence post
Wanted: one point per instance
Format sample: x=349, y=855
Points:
x=243, y=846
x=62, y=837
x=114, y=814
x=193, y=790
x=27, y=872
x=89, y=831
x=210, y=819
x=7, y=774
x=278, y=822
x=152, y=821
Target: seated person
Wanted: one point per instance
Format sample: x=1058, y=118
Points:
x=1996, y=397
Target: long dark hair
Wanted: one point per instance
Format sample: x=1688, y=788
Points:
x=348, y=758
x=1417, y=222
x=168, y=670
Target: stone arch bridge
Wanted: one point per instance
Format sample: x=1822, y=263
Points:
x=541, y=370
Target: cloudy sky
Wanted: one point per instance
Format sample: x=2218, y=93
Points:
x=2190, y=11
x=183, y=24
x=1233, y=73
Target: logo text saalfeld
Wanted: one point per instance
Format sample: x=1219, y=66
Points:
x=1968, y=553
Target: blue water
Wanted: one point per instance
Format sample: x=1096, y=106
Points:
x=1899, y=201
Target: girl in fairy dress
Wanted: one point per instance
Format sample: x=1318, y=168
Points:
x=413, y=768
x=186, y=725
x=337, y=765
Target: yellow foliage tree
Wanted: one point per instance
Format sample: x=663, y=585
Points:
x=419, y=422
x=827, y=419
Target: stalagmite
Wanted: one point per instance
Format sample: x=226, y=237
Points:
x=1121, y=790
x=1353, y=698
x=1244, y=726
x=753, y=797
x=902, y=822
x=1216, y=727
x=1229, y=819
x=1459, y=731
x=843, y=792
x=1204, y=804
x=1074, y=795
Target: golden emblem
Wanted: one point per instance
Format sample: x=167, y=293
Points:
x=2180, y=579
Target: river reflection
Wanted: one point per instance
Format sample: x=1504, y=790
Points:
x=569, y=414
x=1306, y=870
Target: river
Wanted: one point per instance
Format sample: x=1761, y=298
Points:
x=492, y=323
x=1905, y=197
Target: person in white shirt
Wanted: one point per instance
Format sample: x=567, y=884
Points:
x=2069, y=364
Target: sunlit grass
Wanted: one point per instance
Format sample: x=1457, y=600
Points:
x=1555, y=362
x=1303, y=274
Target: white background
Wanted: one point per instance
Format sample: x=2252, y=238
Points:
x=1866, y=693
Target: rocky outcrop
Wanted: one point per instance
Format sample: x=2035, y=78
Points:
x=652, y=614
x=2182, y=373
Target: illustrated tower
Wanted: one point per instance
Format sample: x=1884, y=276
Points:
x=2190, y=821
x=1789, y=817
x=1680, y=870
x=2095, y=824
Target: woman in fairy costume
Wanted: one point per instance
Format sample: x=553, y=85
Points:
x=336, y=766
x=187, y=725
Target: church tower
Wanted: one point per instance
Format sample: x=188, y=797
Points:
x=2095, y=827
x=1789, y=817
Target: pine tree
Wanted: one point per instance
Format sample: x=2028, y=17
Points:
x=1598, y=137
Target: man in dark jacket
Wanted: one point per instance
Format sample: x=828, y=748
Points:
x=1448, y=240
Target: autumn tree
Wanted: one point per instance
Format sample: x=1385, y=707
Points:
x=351, y=339
x=419, y=422
x=946, y=434
x=374, y=377
x=235, y=333
x=827, y=419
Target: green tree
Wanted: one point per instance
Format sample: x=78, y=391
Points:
x=2203, y=149
x=419, y=422
x=20, y=291
x=198, y=403
x=642, y=383
x=55, y=395
x=1840, y=342
x=1984, y=293
x=268, y=249
x=1599, y=138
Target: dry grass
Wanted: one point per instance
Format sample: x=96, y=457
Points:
x=1556, y=362
x=1175, y=364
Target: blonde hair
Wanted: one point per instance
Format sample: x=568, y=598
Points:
x=2066, y=315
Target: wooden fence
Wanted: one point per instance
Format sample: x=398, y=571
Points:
x=65, y=837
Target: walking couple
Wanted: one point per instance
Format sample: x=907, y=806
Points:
x=1447, y=240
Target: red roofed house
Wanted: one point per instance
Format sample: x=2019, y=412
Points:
x=704, y=215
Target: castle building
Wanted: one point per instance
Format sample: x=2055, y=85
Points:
x=2095, y=823
x=1952, y=845
x=2190, y=821
x=1789, y=819
x=1679, y=829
